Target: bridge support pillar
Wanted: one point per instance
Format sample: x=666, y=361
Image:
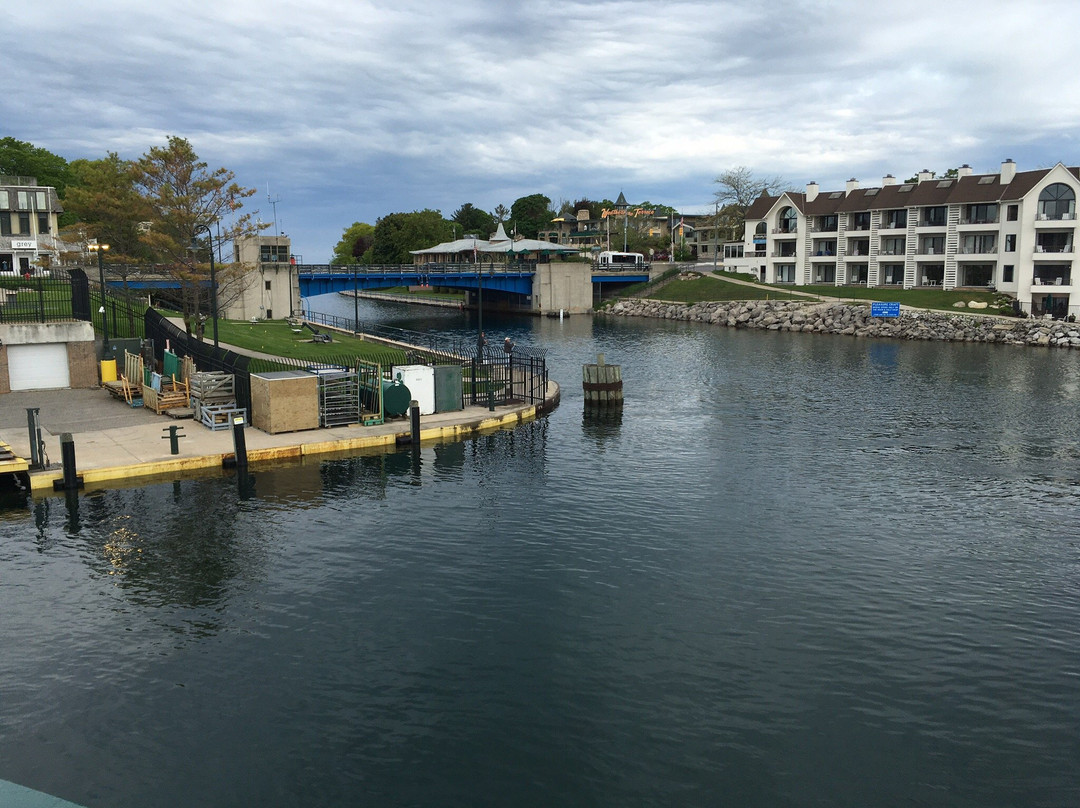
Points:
x=562, y=285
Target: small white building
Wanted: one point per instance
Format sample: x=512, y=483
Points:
x=271, y=285
x=1013, y=231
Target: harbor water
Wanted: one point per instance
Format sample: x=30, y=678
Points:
x=796, y=570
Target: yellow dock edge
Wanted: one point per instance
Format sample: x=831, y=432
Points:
x=43, y=480
x=15, y=465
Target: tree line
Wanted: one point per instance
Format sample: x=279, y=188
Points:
x=167, y=210
x=158, y=209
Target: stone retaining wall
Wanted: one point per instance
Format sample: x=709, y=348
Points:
x=855, y=320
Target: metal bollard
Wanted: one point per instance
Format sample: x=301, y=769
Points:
x=173, y=438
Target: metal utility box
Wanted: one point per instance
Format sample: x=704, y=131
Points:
x=284, y=401
x=448, y=388
x=420, y=379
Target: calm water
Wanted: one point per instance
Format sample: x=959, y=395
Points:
x=798, y=570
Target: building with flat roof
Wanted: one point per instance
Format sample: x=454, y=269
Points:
x=270, y=288
x=1013, y=231
x=29, y=243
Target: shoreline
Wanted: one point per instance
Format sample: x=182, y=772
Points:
x=852, y=319
x=413, y=299
x=111, y=454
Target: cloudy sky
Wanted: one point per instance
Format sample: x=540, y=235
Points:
x=346, y=110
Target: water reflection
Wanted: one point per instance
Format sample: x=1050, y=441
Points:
x=780, y=539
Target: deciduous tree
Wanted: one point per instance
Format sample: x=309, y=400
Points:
x=398, y=233
x=355, y=245
x=739, y=187
x=21, y=159
x=102, y=194
x=530, y=214
x=473, y=220
x=183, y=196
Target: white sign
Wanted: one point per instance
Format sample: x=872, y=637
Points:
x=16, y=244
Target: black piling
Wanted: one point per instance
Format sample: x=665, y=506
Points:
x=37, y=459
x=70, y=481
x=240, y=446
x=414, y=420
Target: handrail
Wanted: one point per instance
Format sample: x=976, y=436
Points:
x=527, y=268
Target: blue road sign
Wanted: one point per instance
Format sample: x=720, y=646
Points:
x=884, y=309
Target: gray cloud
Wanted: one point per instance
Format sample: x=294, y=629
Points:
x=351, y=110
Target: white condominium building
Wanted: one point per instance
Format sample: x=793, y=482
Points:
x=1013, y=231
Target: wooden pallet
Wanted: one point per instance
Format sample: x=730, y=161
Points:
x=165, y=394
x=216, y=417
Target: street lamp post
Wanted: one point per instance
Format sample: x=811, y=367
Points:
x=716, y=235
x=101, y=249
x=480, y=313
x=213, y=279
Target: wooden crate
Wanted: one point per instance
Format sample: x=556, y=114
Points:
x=284, y=401
x=217, y=417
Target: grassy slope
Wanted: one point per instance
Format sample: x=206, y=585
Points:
x=280, y=339
x=714, y=287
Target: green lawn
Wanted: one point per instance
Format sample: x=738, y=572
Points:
x=279, y=338
x=714, y=287
x=708, y=288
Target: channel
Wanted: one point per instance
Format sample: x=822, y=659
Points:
x=796, y=569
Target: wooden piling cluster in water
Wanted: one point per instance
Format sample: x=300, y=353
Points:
x=602, y=385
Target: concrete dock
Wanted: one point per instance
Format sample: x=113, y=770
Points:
x=115, y=443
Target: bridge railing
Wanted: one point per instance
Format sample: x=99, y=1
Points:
x=484, y=268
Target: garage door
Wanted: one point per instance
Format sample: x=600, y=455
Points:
x=38, y=367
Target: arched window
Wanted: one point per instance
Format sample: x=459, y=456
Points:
x=760, y=229
x=789, y=220
x=1057, y=201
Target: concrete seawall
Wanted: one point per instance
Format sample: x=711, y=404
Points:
x=416, y=300
x=855, y=320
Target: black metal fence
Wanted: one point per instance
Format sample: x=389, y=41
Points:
x=64, y=294
x=519, y=376
x=167, y=335
x=489, y=376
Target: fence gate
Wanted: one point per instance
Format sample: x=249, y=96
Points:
x=80, y=295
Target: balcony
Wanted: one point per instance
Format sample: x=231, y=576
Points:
x=780, y=231
x=975, y=220
x=1052, y=280
x=932, y=223
x=1063, y=217
x=1051, y=252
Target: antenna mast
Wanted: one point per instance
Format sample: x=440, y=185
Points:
x=273, y=204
